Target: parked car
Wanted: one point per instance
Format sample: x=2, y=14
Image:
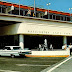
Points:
x=13, y=51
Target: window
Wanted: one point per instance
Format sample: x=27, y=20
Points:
x=16, y=48
x=7, y=48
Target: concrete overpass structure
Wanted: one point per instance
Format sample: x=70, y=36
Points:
x=23, y=25
x=29, y=32
x=19, y=30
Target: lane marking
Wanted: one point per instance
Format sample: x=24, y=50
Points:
x=44, y=61
x=58, y=65
x=30, y=65
x=8, y=71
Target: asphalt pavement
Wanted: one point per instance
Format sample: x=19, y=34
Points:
x=63, y=66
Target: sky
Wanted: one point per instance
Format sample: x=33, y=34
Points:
x=58, y=5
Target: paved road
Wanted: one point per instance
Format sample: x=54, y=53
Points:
x=63, y=66
x=24, y=64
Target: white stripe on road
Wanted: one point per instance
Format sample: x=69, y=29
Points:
x=30, y=65
x=8, y=71
x=58, y=65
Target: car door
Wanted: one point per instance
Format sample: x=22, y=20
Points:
x=6, y=51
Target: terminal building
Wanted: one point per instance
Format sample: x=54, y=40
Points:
x=16, y=28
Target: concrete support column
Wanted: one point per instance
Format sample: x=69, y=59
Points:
x=42, y=14
x=60, y=17
x=52, y=16
x=55, y=17
x=63, y=18
x=23, y=12
x=66, y=18
x=39, y=15
x=21, y=41
x=64, y=40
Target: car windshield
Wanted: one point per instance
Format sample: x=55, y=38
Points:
x=16, y=48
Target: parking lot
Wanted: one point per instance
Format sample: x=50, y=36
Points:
x=8, y=64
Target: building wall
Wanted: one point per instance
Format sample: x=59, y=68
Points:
x=31, y=26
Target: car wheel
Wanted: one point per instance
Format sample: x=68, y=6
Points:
x=12, y=56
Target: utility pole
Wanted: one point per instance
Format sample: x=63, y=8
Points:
x=70, y=13
x=19, y=7
x=48, y=9
x=34, y=9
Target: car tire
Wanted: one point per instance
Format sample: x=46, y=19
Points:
x=12, y=56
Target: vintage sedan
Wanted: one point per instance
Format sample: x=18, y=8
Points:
x=13, y=51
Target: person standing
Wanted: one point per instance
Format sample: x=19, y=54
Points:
x=33, y=15
x=29, y=12
x=45, y=14
x=40, y=47
x=70, y=46
x=51, y=47
x=64, y=46
x=45, y=44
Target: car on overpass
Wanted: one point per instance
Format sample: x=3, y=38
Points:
x=13, y=51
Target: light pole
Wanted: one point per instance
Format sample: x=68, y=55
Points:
x=19, y=7
x=70, y=13
x=48, y=9
x=34, y=9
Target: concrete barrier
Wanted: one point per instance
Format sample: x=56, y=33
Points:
x=54, y=53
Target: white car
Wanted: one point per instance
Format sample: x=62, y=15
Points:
x=13, y=51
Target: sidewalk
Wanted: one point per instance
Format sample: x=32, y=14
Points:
x=63, y=66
